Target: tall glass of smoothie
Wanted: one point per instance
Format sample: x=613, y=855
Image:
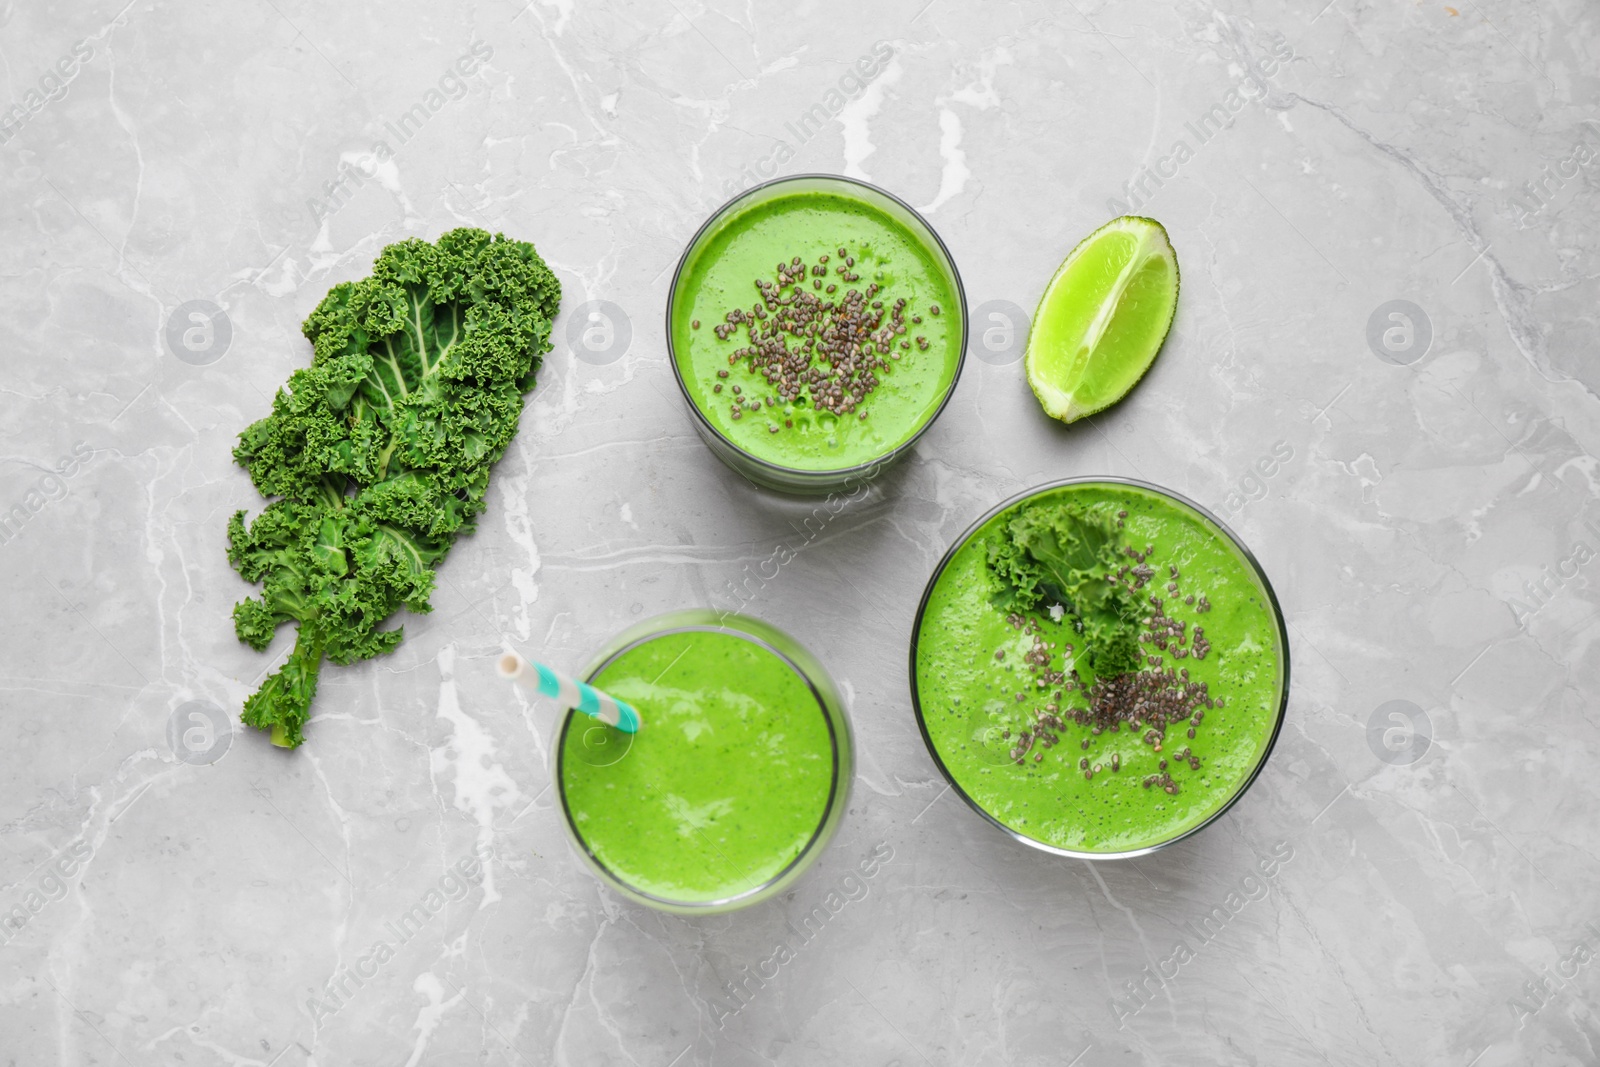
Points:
x=1099, y=667
x=817, y=326
x=737, y=778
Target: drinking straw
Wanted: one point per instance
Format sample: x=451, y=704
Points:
x=569, y=692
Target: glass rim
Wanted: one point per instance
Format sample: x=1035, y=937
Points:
x=1272, y=601
x=832, y=472
x=827, y=807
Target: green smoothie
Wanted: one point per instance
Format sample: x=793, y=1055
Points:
x=846, y=348
x=730, y=779
x=1165, y=735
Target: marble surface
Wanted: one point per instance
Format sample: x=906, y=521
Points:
x=182, y=182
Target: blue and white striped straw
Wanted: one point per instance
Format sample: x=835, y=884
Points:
x=569, y=692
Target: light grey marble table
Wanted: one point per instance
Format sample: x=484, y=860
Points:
x=181, y=184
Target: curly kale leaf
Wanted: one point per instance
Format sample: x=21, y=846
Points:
x=379, y=452
x=1068, y=554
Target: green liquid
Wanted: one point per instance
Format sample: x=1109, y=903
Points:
x=725, y=785
x=721, y=277
x=967, y=697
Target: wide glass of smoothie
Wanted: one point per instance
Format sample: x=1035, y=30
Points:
x=737, y=778
x=1099, y=667
x=817, y=326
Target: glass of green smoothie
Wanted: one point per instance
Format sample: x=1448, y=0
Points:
x=817, y=327
x=1099, y=667
x=734, y=783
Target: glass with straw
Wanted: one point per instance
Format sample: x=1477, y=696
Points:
x=734, y=778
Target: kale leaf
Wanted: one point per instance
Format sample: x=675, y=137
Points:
x=379, y=453
x=1069, y=554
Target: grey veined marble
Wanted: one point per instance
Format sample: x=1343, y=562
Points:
x=1382, y=373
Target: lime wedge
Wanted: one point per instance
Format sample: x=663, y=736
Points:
x=1102, y=318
